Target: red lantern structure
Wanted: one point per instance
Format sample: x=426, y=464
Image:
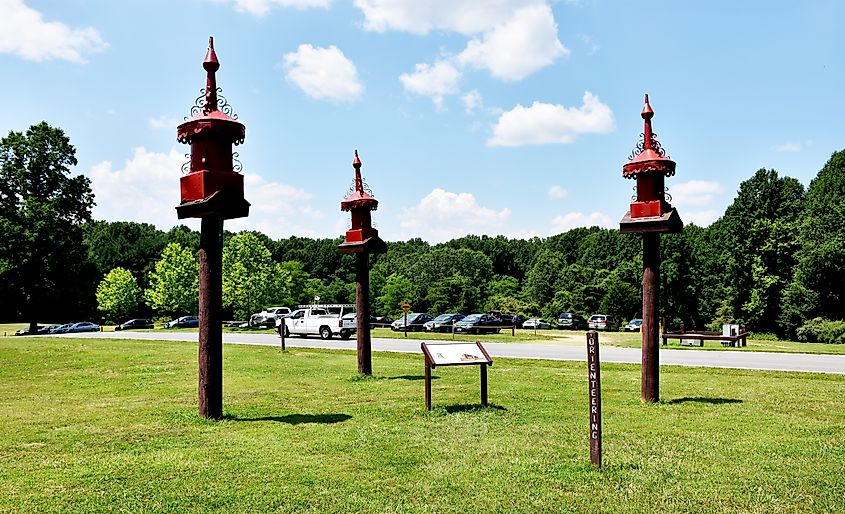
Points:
x=212, y=190
x=650, y=214
x=362, y=239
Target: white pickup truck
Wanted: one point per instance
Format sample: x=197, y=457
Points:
x=323, y=320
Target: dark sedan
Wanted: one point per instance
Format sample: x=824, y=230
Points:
x=479, y=324
x=443, y=323
x=134, y=324
x=415, y=322
x=183, y=322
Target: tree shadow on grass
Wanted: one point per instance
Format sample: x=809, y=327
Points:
x=295, y=419
x=700, y=399
x=411, y=377
x=472, y=407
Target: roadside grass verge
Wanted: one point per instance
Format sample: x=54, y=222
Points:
x=105, y=425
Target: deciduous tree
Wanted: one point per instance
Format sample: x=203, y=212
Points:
x=41, y=209
x=118, y=294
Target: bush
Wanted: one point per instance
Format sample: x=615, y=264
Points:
x=763, y=336
x=820, y=330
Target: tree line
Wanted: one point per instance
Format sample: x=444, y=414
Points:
x=774, y=261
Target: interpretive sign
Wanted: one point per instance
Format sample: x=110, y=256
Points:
x=455, y=354
x=594, y=386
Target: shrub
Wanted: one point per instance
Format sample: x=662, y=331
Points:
x=821, y=330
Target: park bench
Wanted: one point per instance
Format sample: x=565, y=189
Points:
x=731, y=336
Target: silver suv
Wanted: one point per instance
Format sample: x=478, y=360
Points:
x=268, y=316
x=603, y=322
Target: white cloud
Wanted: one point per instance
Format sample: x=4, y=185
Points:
x=701, y=218
x=557, y=192
x=695, y=193
x=262, y=7
x=434, y=81
x=24, y=32
x=465, y=17
x=163, y=122
x=518, y=47
x=694, y=200
x=551, y=123
x=787, y=147
x=146, y=190
x=572, y=220
x=472, y=101
x=443, y=215
x=324, y=73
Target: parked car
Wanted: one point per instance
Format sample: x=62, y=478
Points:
x=47, y=329
x=478, y=324
x=536, y=323
x=83, y=326
x=380, y=321
x=603, y=322
x=134, y=324
x=183, y=322
x=506, y=319
x=634, y=325
x=416, y=320
x=26, y=332
x=60, y=329
x=268, y=316
x=443, y=323
x=571, y=321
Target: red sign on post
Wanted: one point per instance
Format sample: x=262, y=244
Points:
x=594, y=382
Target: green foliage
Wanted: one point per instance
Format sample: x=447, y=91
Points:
x=819, y=283
x=821, y=330
x=118, y=295
x=396, y=290
x=122, y=244
x=758, y=238
x=41, y=209
x=456, y=293
x=249, y=275
x=174, y=283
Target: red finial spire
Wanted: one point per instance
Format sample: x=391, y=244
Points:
x=359, y=183
x=211, y=65
x=647, y=114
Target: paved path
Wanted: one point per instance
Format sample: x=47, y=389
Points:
x=815, y=363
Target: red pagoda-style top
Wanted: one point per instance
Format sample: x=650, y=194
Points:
x=359, y=198
x=361, y=237
x=648, y=165
x=212, y=185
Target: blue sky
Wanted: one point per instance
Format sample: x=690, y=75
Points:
x=490, y=117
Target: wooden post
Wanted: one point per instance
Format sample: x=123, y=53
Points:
x=650, y=329
x=362, y=306
x=484, y=385
x=594, y=387
x=282, y=329
x=210, y=356
x=427, y=385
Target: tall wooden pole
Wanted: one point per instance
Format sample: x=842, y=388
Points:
x=651, y=325
x=362, y=306
x=210, y=388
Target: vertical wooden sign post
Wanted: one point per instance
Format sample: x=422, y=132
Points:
x=594, y=382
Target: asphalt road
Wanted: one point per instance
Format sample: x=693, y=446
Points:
x=813, y=363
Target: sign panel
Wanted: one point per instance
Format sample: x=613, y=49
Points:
x=406, y=307
x=453, y=354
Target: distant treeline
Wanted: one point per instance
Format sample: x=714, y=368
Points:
x=774, y=261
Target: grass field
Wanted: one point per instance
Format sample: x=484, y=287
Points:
x=111, y=426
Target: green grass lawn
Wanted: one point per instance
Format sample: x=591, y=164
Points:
x=111, y=426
